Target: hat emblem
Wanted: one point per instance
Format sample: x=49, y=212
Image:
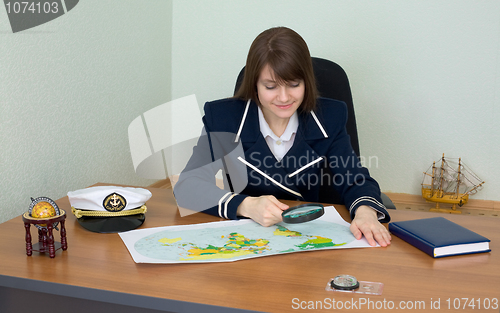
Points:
x=114, y=202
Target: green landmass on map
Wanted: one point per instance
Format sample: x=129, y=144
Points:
x=318, y=242
x=283, y=231
x=315, y=243
x=238, y=245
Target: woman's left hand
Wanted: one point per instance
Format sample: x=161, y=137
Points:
x=365, y=222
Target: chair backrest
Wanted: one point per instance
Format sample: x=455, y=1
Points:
x=332, y=82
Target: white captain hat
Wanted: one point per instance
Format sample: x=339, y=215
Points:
x=109, y=209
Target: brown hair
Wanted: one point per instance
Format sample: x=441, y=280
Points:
x=288, y=56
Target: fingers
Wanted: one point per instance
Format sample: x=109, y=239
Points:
x=355, y=231
x=376, y=235
x=370, y=239
x=280, y=205
x=273, y=209
x=265, y=210
x=370, y=227
x=383, y=237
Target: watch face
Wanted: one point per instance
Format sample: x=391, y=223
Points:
x=345, y=282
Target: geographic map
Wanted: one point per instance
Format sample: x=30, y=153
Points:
x=236, y=240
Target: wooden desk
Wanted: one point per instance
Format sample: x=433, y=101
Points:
x=97, y=274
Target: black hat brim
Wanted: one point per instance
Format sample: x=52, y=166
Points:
x=112, y=224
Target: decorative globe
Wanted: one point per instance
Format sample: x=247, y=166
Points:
x=43, y=210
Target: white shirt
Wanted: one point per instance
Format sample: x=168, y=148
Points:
x=279, y=146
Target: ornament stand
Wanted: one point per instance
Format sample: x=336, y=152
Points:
x=45, y=234
x=453, y=209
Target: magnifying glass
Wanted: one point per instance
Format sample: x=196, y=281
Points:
x=303, y=213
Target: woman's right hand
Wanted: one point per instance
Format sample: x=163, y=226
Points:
x=265, y=210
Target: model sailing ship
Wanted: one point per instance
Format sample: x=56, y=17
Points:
x=451, y=182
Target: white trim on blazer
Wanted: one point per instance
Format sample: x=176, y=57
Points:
x=371, y=199
x=319, y=124
x=245, y=116
x=268, y=177
x=220, y=203
x=225, y=205
x=242, y=121
x=305, y=166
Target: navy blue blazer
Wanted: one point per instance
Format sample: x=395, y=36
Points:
x=321, y=166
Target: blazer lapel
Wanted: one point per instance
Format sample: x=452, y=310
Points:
x=311, y=127
x=251, y=130
x=301, y=156
x=264, y=165
x=300, y=159
x=260, y=159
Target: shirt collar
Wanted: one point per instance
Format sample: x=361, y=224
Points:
x=291, y=127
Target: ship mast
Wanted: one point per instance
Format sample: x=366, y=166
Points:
x=440, y=194
x=458, y=177
x=433, y=177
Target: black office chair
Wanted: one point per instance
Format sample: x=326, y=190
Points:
x=332, y=82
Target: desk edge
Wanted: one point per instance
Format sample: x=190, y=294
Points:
x=113, y=297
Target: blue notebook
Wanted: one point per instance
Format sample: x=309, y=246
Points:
x=439, y=237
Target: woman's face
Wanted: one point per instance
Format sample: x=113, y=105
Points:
x=278, y=102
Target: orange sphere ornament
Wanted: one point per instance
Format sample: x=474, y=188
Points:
x=43, y=208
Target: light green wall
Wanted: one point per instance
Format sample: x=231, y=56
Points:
x=425, y=77
x=425, y=74
x=68, y=91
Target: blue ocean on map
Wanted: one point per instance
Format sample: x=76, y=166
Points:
x=231, y=243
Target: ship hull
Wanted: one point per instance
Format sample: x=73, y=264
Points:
x=442, y=197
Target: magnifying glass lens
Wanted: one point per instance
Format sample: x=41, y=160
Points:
x=303, y=213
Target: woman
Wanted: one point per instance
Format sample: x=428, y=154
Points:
x=290, y=143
